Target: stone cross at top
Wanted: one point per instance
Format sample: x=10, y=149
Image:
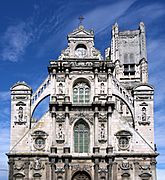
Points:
x=81, y=18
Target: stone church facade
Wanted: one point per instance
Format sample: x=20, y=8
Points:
x=100, y=123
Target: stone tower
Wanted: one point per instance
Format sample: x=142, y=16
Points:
x=100, y=123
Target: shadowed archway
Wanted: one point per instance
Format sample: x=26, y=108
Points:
x=81, y=175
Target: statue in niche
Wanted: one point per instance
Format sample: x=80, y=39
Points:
x=60, y=133
x=102, y=131
x=102, y=88
x=143, y=114
x=61, y=88
x=121, y=106
x=20, y=114
x=37, y=165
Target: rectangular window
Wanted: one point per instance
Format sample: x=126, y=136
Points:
x=129, y=69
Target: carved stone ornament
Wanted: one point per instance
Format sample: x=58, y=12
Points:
x=144, y=104
x=144, y=167
x=82, y=115
x=79, y=167
x=20, y=103
x=66, y=52
x=37, y=164
x=102, y=78
x=81, y=64
x=60, y=170
x=143, y=119
x=60, y=79
x=39, y=139
x=125, y=165
x=102, y=133
x=19, y=165
x=60, y=117
x=61, y=88
x=102, y=117
x=102, y=170
x=60, y=137
x=21, y=118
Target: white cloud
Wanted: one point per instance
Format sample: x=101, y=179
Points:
x=147, y=13
x=160, y=174
x=102, y=17
x=15, y=40
x=4, y=148
x=4, y=96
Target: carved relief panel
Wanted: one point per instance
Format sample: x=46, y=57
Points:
x=60, y=127
x=144, y=118
x=102, y=127
x=21, y=116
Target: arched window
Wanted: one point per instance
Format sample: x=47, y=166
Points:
x=81, y=93
x=81, y=137
x=19, y=176
x=81, y=175
x=37, y=176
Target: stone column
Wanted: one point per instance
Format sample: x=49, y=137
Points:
x=66, y=82
x=53, y=100
x=53, y=78
x=48, y=170
x=66, y=167
x=96, y=168
x=67, y=126
x=96, y=82
x=109, y=167
x=109, y=117
x=11, y=171
x=26, y=170
x=96, y=126
x=153, y=168
x=54, y=126
x=53, y=176
x=109, y=81
x=136, y=170
x=114, y=171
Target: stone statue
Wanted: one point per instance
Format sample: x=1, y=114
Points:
x=60, y=133
x=20, y=114
x=143, y=114
x=102, y=131
x=61, y=88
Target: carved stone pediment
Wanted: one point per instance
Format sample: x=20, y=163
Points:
x=144, y=104
x=60, y=117
x=20, y=103
x=125, y=165
x=81, y=167
x=102, y=117
x=81, y=64
x=80, y=115
x=81, y=32
x=19, y=165
x=102, y=78
x=144, y=167
x=60, y=79
x=60, y=170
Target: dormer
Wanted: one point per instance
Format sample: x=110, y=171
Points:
x=81, y=46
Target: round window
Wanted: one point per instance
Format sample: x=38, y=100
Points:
x=123, y=142
x=81, y=51
x=39, y=143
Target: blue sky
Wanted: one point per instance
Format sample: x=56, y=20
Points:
x=33, y=32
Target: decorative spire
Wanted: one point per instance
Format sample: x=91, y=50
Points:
x=81, y=18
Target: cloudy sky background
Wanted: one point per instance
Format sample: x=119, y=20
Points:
x=33, y=32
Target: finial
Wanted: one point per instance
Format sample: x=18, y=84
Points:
x=81, y=18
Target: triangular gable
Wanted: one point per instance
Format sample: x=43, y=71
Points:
x=81, y=32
